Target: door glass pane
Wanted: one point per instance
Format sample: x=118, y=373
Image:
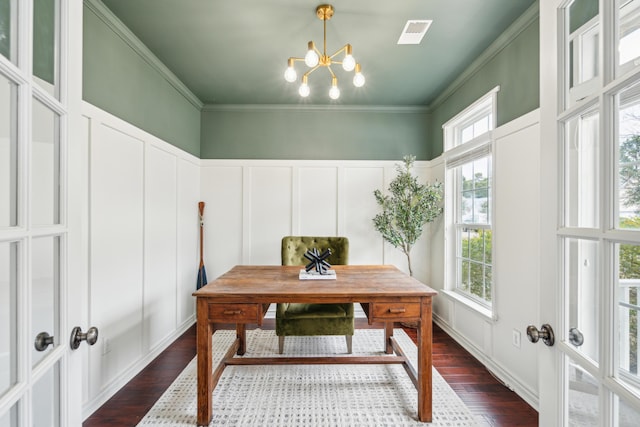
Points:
x=581, y=157
x=629, y=305
x=629, y=35
x=629, y=158
x=581, y=287
x=583, y=399
x=45, y=158
x=8, y=30
x=627, y=415
x=8, y=153
x=45, y=43
x=10, y=418
x=45, y=277
x=46, y=396
x=8, y=317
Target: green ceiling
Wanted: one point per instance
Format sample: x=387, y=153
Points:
x=235, y=52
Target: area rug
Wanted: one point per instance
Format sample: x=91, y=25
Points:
x=309, y=395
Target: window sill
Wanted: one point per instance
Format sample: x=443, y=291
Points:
x=478, y=308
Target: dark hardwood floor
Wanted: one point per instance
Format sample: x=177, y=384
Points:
x=491, y=402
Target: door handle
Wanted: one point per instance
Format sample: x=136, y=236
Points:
x=575, y=337
x=43, y=340
x=77, y=336
x=545, y=333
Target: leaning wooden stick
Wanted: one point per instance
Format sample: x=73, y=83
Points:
x=202, y=274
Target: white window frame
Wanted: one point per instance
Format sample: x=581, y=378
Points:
x=457, y=153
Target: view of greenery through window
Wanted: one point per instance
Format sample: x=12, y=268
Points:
x=629, y=218
x=474, y=232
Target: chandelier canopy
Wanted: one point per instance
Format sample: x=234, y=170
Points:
x=315, y=59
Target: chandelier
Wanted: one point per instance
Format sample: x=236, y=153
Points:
x=315, y=59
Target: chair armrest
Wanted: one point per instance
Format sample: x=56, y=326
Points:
x=281, y=308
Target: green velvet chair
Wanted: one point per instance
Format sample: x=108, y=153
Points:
x=302, y=319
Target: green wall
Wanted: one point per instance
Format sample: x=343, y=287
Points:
x=581, y=12
x=118, y=80
x=516, y=69
x=290, y=133
x=44, y=39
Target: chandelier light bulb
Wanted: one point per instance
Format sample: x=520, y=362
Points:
x=304, y=88
x=358, y=79
x=311, y=58
x=290, y=75
x=334, y=92
x=348, y=63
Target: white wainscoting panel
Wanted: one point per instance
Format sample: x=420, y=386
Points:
x=270, y=215
x=221, y=190
x=117, y=250
x=358, y=209
x=317, y=204
x=517, y=235
x=143, y=250
x=188, y=257
x=160, y=245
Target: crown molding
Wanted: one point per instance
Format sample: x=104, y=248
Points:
x=121, y=30
x=517, y=27
x=400, y=109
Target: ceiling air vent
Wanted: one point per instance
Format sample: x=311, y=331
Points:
x=414, y=31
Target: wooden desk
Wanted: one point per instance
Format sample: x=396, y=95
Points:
x=243, y=295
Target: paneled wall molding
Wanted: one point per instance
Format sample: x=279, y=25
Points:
x=118, y=27
x=263, y=200
x=143, y=249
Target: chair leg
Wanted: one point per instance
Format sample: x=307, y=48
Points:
x=349, y=343
x=281, y=343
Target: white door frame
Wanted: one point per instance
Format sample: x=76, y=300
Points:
x=552, y=383
x=71, y=260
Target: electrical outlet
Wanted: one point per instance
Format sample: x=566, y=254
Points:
x=106, y=346
x=515, y=338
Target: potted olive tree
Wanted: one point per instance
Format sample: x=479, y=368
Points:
x=407, y=207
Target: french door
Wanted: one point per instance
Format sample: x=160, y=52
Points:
x=590, y=249
x=40, y=280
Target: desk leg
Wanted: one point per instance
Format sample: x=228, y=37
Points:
x=388, y=333
x=425, y=332
x=241, y=333
x=204, y=331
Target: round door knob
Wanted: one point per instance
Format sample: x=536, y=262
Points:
x=43, y=340
x=545, y=334
x=575, y=337
x=77, y=336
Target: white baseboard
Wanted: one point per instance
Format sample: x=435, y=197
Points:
x=509, y=380
x=109, y=391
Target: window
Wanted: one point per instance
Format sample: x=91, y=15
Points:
x=468, y=159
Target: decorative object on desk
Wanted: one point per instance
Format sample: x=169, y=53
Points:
x=202, y=274
x=318, y=260
x=409, y=206
x=319, y=263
